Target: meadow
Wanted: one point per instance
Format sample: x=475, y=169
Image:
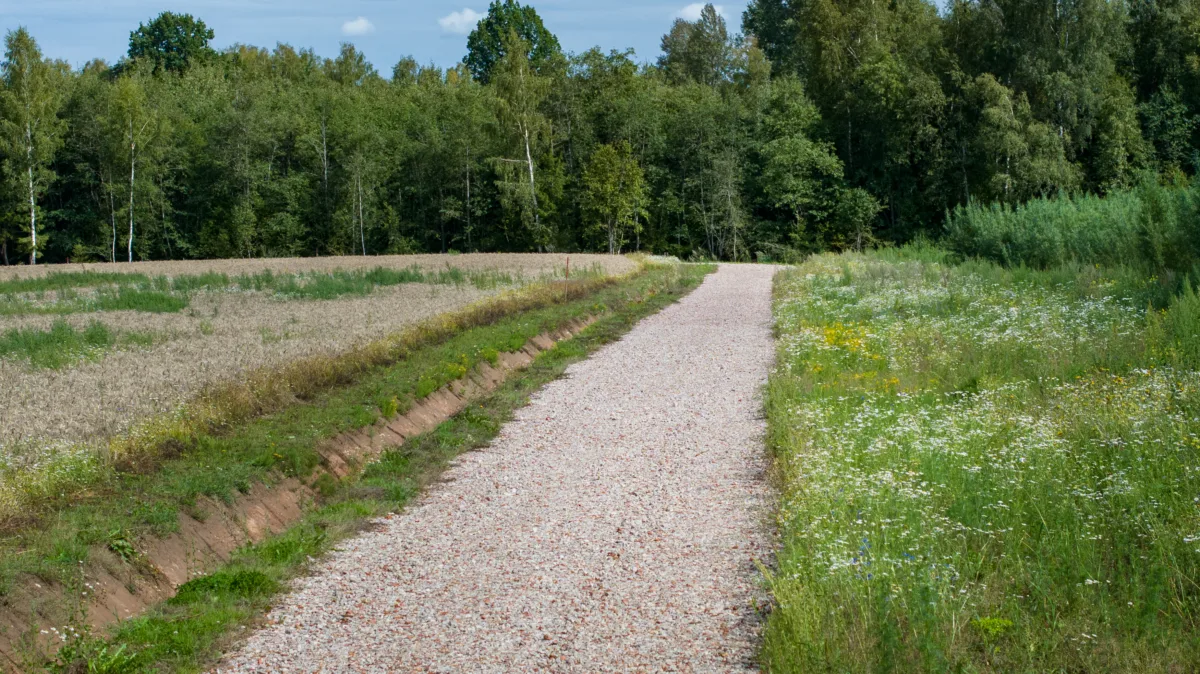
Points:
x=89, y=353
x=984, y=469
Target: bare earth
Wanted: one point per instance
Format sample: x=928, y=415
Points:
x=611, y=527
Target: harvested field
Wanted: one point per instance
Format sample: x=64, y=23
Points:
x=222, y=332
x=527, y=264
x=228, y=334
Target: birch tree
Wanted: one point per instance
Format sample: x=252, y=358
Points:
x=358, y=139
x=520, y=92
x=30, y=129
x=138, y=125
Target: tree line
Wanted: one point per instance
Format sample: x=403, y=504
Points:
x=827, y=124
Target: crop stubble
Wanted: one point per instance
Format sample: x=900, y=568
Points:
x=224, y=334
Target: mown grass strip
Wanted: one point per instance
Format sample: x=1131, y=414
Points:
x=188, y=633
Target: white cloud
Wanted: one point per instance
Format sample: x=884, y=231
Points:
x=460, y=23
x=359, y=26
x=692, y=11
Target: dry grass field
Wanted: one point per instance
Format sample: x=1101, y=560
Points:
x=86, y=355
x=528, y=264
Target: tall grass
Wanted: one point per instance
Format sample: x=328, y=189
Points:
x=1153, y=228
x=63, y=280
x=133, y=299
x=60, y=345
x=63, y=344
x=984, y=470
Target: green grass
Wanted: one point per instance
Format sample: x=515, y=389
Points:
x=63, y=344
x=133, y=299
x=66, y=280
x=984, y=469
x=187, y=633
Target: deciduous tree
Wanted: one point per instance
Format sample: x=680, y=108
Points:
x=615, y=192
x=489, y=43
x=172, y=42
x=30, y=128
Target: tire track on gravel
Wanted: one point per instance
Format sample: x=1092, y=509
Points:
x=612, y=525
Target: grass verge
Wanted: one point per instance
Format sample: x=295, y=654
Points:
x=188, y=633
x=984, y=470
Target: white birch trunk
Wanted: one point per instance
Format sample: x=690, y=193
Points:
x=32, y=201
x=532, y=187
x=112, y=216
x=469, y=246
x=132, y=178
x=362, y=235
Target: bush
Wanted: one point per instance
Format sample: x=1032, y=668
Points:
x=1152, y=227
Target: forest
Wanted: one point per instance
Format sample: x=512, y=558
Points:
x=822, y=125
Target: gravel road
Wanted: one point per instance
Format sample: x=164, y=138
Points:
x=611, y=527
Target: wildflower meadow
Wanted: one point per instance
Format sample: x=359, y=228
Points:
x=983, y=469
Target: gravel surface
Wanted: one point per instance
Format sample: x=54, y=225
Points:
x=611, y=527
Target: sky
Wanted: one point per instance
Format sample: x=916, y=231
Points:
x=432, y=31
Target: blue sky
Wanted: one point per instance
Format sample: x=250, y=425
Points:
x=385, y=30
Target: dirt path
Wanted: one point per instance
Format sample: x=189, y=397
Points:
x=611, y=527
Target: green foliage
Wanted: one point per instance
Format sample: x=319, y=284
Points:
x=520, y=92
x=801, y=173
x=172, y=42
x=235, y=583
x=61, y=345
x=698, y=51
x=1174, y=332
x=180, y=152
x=489, y=42
x=119, y=543
x=1153, y=227
x=68, y=280
x=132, y=299
x=88, y=654
x=30, y=129
x=615, y=193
